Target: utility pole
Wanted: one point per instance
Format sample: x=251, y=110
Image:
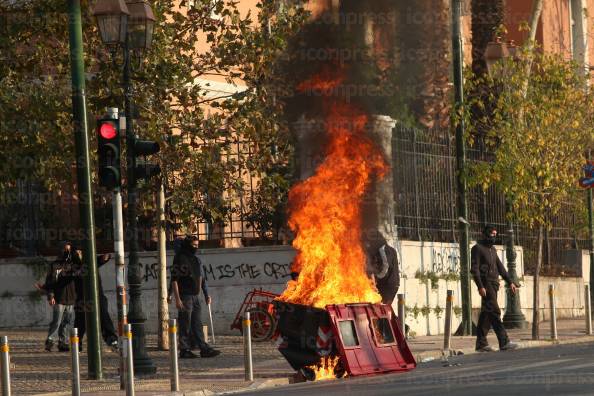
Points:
x=163, y=339
x=85, y=191
x=143, y=365
x=458, y=59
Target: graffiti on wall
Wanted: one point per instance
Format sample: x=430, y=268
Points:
x=214, y=272
x=445, y=259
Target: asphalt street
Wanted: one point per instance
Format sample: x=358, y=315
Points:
x=554, y=370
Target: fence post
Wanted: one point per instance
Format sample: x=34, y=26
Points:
x=174, y=370
x=588, y=309
x=4, y=349
x=75, y=362
x=401, y=313
x=129, y=359
x=553, y=312
x=247, y=347
x=448, y=321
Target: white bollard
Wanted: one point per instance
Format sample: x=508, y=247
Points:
x=5, y=363
x=448, y=322
x=402, y=313
x=129, y=360
x=588, y=307
x=75, y=362
x=553, y=312
x=174, y=368
x=247, y=347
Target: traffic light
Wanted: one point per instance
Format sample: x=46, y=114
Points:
x=108, y=150
x=143, y=169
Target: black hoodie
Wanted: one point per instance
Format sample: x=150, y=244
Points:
x=485, y=265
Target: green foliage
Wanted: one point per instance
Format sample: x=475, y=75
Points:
x=171, y=94
x=426, y=277
x=438, y=311
x=457, y=311
x=540, y=132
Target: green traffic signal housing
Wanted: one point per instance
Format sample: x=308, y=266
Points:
x=144, y=169
x=109, y=150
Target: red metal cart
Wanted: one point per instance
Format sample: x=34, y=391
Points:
x=259, y=304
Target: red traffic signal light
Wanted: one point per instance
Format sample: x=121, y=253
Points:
x=108, y=131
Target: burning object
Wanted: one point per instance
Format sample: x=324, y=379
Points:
x=343, y=339
x=330, y=321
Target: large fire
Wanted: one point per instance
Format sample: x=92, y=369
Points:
x=325, y=210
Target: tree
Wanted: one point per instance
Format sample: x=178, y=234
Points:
x=199, y=132
x=540, y=128
x=487, y=18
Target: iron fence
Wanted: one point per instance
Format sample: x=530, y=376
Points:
x=424, y=171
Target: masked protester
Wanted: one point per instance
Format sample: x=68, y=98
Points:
x=61, y=295
x=186, y=282
x=383, y=265
x=486, y=269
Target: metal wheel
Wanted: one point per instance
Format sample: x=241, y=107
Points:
x=263, y=324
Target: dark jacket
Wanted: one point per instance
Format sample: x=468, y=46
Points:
x=387, y=279
x=485, y=265
x=187, y=272
x=59, y=282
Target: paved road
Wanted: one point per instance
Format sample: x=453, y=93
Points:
x=556, y=370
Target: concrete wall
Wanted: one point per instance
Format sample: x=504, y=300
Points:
x=232, y=273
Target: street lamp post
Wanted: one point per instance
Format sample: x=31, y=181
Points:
x=513, y=318
x=130, y=25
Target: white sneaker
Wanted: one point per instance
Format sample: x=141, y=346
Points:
x=509, y=346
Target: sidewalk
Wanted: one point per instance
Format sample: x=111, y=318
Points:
x=36, y=372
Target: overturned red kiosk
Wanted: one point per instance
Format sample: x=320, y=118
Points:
x=343, y=339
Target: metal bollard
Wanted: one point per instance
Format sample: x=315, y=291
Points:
x=447, y=338
x=4, y=349
x=553, y=312
x=247, y=347
x=401, y=313
x=174, y=368
x=75, y=362
x=129, y=360
x=588, y=312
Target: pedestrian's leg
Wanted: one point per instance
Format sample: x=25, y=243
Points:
x=107, y=328
x=482, y=329
x=80, y=321
x=495, y=318
x=197, y=331
x=65, y=325
x=54, y=326
x=184, y=323
x=484, y=322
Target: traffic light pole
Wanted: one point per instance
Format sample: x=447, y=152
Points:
x=120, y=271
x=143, y=365
x=466, y=325
x=85, y=191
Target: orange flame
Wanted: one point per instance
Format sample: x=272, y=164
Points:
x=325, y=210
x=325, y=370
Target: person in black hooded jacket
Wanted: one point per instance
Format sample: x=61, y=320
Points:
x=486, y=269
x=187, y=281
x=61, y=296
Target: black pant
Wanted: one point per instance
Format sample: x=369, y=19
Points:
x=108, y=331
x=490, y=316
x=190, y=324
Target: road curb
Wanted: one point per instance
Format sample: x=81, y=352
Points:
x=438, y=354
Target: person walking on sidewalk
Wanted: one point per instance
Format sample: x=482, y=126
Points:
x=186, y=282
x=61, y=296
x=486, y=269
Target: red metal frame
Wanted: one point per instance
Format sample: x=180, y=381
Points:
x=257, y=298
